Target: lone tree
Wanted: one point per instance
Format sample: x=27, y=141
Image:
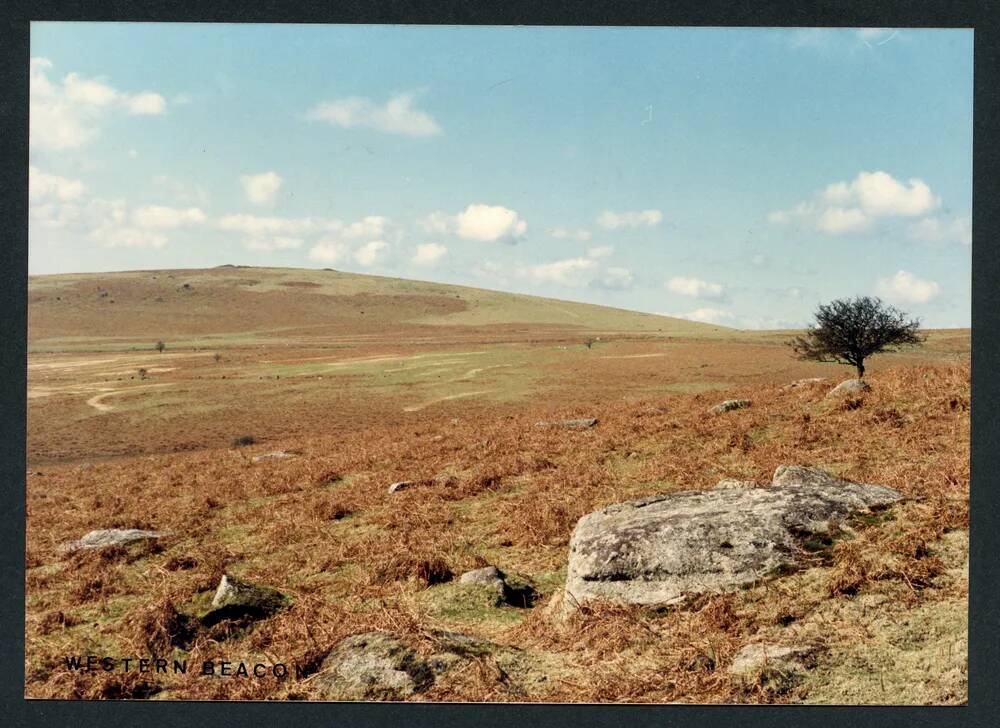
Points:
x=848, y=331
x=160, y=346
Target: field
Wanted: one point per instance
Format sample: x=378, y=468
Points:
x=366, y=381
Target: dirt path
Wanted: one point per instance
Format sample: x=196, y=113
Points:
x=418, y=407
x=97, y=404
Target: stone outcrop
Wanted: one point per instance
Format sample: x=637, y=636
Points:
x=729, y=405
x=105, y=537
x=658, y=551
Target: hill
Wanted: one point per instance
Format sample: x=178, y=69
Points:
x=232, y=304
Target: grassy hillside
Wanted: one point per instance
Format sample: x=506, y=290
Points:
x=241, y=305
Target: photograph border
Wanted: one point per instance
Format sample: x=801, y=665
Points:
x=984, y=594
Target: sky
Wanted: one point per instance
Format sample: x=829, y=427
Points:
x=738, y=176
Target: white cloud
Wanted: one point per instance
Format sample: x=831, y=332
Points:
x=905, y=287
x=260, y=189
x=483, y=223
x=66, y=115
x=566, y=234
x=42, y=186
x=429, y=254
x=371, y=253
x=110, y=236
x=489, y=223
x=395, y=116
x=372, y=226
x=436, y=223
x=600, y=251
x=614, y=220
x=708, y=316
x=88, y=91
x=937, y=230
x=880, y=194
x=158, y=216
x=254, y=225
x=617, y=279
x=278, y=242
x=328, y=251
x=146, y=103
x=837, y=220
x=848, y=207
x=569, y=272
x=695, y=288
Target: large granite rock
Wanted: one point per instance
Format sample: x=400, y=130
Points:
x=657, y=551
x=786, y=658
x=104, y=537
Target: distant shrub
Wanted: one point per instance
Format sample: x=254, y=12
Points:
x=243, y=440
x=217, y=356
x=159, y=346
x=142, y=373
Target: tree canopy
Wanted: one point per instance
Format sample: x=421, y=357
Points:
x=848, y=331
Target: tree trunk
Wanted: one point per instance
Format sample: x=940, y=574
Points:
x=861, y=370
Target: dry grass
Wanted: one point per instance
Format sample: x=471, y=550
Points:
x=491, y=488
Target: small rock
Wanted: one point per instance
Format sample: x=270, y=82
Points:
x=488, y=575
x=239, y=600
x=276, y=455
x=729, y=405
x=849, y=387
x=111, y=537
x=401, y=485
x=514, y=591
x=376, y=666
x=578, y=424
x=786, y=658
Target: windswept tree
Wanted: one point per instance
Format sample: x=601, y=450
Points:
x=160, y=346
x=848, y=331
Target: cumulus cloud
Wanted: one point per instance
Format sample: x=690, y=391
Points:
x=615, y=278
x=906, y=287
x=372, y=226
x=328, y=251
x=395, y=116
x=848, y=207
x=371, y=253
x=278, y=242
x=111, y=236
x=695, y=288
x=600, y=251
x=610, y=220
x=429, y=254
x=569, y=272
x=158, y=216
x=67, y=114
x=256, y=225
x=489, y=223
x=566, y=234
x=483, y=223
x=42, y=187
x=938, y=230
x=59, y=203
x=260, y=189
x=708, y=316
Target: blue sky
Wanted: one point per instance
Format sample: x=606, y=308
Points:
x=738, y=176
